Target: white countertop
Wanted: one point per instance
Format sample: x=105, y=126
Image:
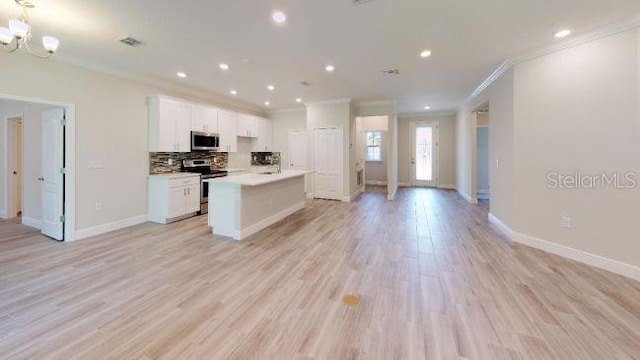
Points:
x=176, y=175
x=233, y=170
x=254, y=179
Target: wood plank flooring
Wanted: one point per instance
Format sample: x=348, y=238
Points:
x=434, y=281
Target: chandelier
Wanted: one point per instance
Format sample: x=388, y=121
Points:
x=19, y=31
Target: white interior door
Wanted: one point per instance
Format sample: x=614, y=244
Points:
x=52, y=177
x=424, y=157
x=328, y=163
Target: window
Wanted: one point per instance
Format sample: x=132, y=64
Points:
x=374, y=146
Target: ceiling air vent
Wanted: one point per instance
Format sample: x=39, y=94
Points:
x=128, y=40
x=391, y=72
x=305, y=83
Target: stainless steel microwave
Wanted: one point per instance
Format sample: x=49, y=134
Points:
x=202, y=141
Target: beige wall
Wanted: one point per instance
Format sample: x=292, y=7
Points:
x=446, y=148
x=572, y=110
x=577, y=110
x=111, y=126
x=282, y=123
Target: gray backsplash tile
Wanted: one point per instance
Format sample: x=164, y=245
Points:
x=159, y=161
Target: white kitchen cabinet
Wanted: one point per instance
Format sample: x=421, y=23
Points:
x=227, y=129
x=169, y=125
x=204, y=119
x=173, y=197
x=263, y=142
x=247, y=126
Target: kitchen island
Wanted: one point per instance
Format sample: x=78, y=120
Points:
x=241, y=205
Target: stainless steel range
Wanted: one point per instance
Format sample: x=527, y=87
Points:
x=203, y=167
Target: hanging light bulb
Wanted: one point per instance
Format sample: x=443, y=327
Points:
x=5, y=36
x=18, y=28
x=50, y=44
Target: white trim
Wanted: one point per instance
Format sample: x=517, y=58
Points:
x=404, y=184
x=352, y=197
x=467, y=197
x=70, y=159
x=502, y=227
x=252, y=229
x=436, y=114
x=392, y=196
x=603, y=32
x=584, y=257
x=109, y=227
x=375, y=103
x=329, y=102
x=447, y=186
x=375, y=182
x=34, y=223
x=495, y=75
x=309, y=195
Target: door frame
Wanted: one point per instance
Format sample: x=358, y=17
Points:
x=69, y=158
x=10, y=209
x=436, y=153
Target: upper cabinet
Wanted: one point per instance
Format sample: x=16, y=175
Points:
x=228, y=129
x=247, y=126
x=264, y=140
x=169, y=125
x=204, y=119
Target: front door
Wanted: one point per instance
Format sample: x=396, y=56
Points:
x=424, y=138
x=52, y=177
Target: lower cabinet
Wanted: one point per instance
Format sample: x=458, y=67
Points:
x=173, y=197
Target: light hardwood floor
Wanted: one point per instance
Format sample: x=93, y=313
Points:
x=434, y=281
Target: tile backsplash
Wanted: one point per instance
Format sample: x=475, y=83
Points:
x=265, y=158
x=159, y=161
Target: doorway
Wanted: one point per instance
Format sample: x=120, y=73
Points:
x=424, y=157
x=482, y=186
x=372, y=158
x=38, y=184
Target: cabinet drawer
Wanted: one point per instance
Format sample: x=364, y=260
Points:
x=184, y=181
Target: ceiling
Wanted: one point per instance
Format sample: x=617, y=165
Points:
x=468, y=38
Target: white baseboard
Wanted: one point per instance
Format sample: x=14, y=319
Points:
x=105, y=228
x=252, y=229
x=353, y=196
x=468, y=198
x=483, y=194
x=375, y=182
x=447, y=186
x=34, y=223
x=404, y=184
x=584, y=257
x=309, y=195
x=502, y=227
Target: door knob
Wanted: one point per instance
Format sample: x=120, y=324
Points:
x=41, y=178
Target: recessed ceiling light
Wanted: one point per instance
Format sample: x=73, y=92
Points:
x=562, y=33
x=329, y=68
x=271, y=87
x=233, y=92
x=267, y=103
x=279, y=17
x=425, y=53
x=427, y=107
x=181, y=74
x=223, y=66
x=298, y=100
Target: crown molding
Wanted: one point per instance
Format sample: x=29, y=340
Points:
x=214, y=98
x=286, y=111
x=427, y=114
x=375, y=103
x=603, y=32
x=606, y=31
x=329, y=102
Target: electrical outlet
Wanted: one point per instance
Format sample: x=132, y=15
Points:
x=170, y=162
x=98, y=206
x=566, y=222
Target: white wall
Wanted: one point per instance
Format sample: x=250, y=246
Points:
x=111, y=126
x=446, y=148
x=241, y=159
